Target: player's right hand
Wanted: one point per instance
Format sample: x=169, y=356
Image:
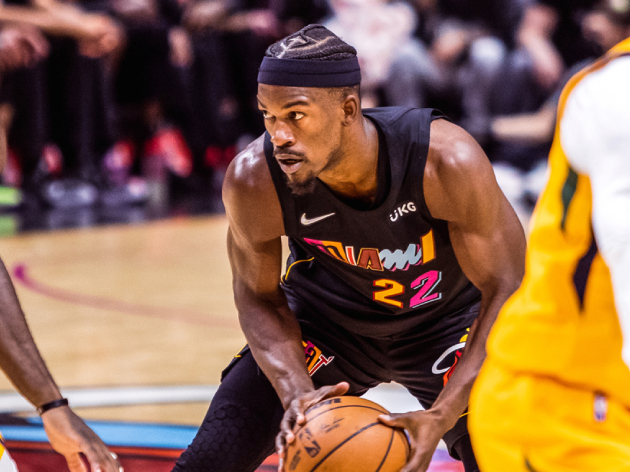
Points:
x=70, y=436
x=294, y=417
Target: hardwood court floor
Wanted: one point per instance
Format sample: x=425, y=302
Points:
x=145, y=305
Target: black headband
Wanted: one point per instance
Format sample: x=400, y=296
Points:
x=305, y=73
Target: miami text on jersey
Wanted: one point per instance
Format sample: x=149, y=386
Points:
x=383, y=259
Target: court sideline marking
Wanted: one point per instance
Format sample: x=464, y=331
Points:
x=20, y=274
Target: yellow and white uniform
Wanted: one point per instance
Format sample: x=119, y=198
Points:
x=6, y=463
x=554, y=393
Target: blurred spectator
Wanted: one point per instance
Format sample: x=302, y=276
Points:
x=458, y=51
x=472, y=40
x=229, y=40
x=64, y=98
x=522, y=140
x=20, y=46
x=294, y=15
x=153, y=93
x=548, y=41
x=551, y=33
x=382, y=34
x=181, y=75
x=228, y=36
x=415, y=73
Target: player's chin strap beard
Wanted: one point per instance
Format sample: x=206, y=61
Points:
x=307, y=73
x=301, y=188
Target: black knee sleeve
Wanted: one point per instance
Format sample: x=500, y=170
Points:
x=239, y=430
x=230, y=439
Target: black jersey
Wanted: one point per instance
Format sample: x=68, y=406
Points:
x=380, y=271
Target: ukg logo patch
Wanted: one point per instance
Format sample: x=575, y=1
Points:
x=403, y=210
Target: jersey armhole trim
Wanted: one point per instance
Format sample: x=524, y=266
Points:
x=286, y=275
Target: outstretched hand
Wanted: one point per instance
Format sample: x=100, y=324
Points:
x=294, y=416
x=425, y=432
x=70, y=437
x=100, y=35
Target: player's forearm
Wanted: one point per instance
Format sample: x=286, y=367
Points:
x=611, y=198
x=275, y=339
x=19, y=356
x=621, y=284
x=453, y=400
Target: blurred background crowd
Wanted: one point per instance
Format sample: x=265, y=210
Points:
x=134, y=103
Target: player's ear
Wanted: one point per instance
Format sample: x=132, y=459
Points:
x=351, y=108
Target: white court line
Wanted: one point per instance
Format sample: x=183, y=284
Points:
x=393, y=397
x=11, y=402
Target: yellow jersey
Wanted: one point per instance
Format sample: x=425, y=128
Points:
x=562, y=322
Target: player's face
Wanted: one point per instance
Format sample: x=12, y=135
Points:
x=305, y=126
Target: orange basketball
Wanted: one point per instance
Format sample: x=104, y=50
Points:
x=343, y=434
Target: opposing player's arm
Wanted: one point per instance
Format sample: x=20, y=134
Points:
x=19, y=356
x=21, y=361
x=487, y=238
x=596, y=138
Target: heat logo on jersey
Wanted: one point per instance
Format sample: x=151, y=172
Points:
x=375, y=259
x=314, y=357
x=458, y=349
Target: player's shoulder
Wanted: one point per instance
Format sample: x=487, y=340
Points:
x=596, y=112
x=605, y=89
x=457, y=173
x=250, y=198
x=452, y=149
x=248, y=174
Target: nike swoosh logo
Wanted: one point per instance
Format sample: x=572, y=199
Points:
x=309, y=221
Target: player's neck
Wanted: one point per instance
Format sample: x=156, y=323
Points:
x=355, y=176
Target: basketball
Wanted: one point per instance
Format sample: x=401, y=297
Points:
x=343, y=434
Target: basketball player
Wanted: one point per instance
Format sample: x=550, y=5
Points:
x=403, y=249
x=554, y=394
x=21, y=362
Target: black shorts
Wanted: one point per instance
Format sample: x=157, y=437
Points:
x=421, y=361
x=240, y=427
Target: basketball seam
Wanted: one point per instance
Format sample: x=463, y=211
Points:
x=345, y=406
x=391, y=441
x=342, y=443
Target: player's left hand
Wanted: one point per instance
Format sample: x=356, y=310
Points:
x=70, y=437
x=425, y=431
x=295, y=415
